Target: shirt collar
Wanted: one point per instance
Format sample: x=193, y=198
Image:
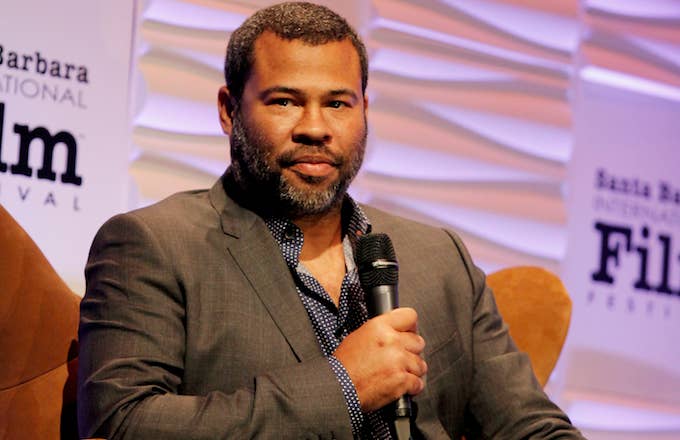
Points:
x=289, y=237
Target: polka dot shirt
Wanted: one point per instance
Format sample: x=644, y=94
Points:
x=333, y=323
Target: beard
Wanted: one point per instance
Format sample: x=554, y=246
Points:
x=258, y=173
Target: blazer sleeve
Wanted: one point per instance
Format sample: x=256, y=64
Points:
x=506, y=402
x=132, y=346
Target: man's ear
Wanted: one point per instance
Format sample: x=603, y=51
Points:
x=225, y=108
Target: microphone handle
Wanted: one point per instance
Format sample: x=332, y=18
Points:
x=382, y=299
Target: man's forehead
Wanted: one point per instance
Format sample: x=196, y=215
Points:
x=276, y=58
x=269, y=39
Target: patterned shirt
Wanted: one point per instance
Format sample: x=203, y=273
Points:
x=333, y=323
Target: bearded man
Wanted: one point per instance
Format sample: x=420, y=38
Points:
x=236, y=312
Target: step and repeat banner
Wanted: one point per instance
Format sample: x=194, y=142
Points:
x=622, y=265
x=623, y=260
x=64, y=122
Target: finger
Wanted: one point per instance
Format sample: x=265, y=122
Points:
x=412, y=342
x=414, y=385
x=416, y=365
x=403, y=319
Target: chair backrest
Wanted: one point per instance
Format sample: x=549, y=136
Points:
x=38, y=341
x=537, y=309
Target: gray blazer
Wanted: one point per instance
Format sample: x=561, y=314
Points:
x=191, y=328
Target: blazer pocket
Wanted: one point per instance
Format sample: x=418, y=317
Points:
x=442, y=356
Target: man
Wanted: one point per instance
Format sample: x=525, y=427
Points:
x=236, y=312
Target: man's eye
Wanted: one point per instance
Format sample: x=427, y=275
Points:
x=337, y=104
x=283, y=102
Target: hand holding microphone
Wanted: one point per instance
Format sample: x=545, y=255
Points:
x=382, y=357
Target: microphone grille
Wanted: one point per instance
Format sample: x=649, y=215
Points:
x=372, y=248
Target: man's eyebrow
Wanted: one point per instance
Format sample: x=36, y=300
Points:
x=281, y=89
x=349, y=92
x=297, y=92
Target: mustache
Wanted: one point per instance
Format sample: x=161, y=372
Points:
x=308, y=153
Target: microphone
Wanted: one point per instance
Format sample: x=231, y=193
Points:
x=379, y=276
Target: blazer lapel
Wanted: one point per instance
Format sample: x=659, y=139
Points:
x=258, y=256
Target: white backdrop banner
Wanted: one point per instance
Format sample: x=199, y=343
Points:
x=623, y=260
x=64, y=121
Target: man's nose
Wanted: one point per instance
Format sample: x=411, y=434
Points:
x=312, y=127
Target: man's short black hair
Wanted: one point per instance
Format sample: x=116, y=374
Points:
x=313, y=24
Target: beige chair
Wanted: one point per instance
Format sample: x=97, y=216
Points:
x=537, y=309
x=38, y=342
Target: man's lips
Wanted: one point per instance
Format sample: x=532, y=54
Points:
x=312, y=165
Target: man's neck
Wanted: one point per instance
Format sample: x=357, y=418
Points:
x=321, y=232
x=322, y=252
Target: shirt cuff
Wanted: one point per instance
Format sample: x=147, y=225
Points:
x=356, y=417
